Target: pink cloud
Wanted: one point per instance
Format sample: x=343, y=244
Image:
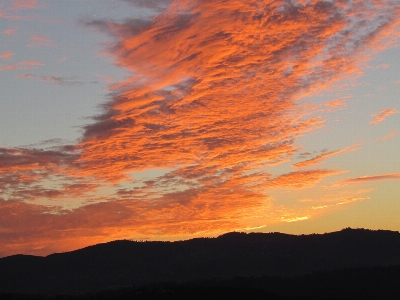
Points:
x=15, y=6
x=5, y=15
x=23, y=65
x=6, y=55
x=40, y=41
x=23, y=4
x=382, y=115
x=25, y=76
x=10, y=31
x=53, y=79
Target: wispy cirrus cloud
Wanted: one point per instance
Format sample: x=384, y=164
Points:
x=10, y=31
x=382, y=115
x=294, y=219
x=23, y=65
x=382, y=177
x=339, y=202
x=59, y=80
x=6, y=55
x=301, y=179
x=211, y=104
x=26, y=76
x=335, y=104
x=37, y=40
x=388, y=136
x=23, y=4
x=317, y=159
x=7, y=15
x=7, y=10
x=151, y=4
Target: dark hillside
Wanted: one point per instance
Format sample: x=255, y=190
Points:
x=127, y=263
x=350, y=284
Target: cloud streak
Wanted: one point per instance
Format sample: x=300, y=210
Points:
x=37, y=41
x=59, y=80
x=335, y=104
x=382, y=115
x=388, y=136
x=23, y=65
x=10, y=31
x=382, y=177
x=318, y=158
x=23, y=4
x=6, y=55
x=301, y=179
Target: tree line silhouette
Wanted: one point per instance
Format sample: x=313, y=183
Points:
x=349, y=264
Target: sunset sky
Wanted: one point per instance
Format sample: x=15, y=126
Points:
x=175, y=119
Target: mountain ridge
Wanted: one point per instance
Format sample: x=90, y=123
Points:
x=125, y=263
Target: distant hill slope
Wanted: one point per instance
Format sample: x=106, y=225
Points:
x=126, y=263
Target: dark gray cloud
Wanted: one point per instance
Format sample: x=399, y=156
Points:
x=151, y=4
x=59, y=80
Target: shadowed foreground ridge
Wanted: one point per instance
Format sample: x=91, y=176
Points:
x=126, y=263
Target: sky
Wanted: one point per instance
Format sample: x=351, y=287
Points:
x=175, y=119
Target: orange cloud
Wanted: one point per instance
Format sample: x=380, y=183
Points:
x=38, y=229
x=317, y=159
x=383, y=177
x=388, y=136
x=335, y=104
x=198, y=76
x=301, y=179
x=382, y=115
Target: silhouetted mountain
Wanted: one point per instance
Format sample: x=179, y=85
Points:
x=127, y=263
